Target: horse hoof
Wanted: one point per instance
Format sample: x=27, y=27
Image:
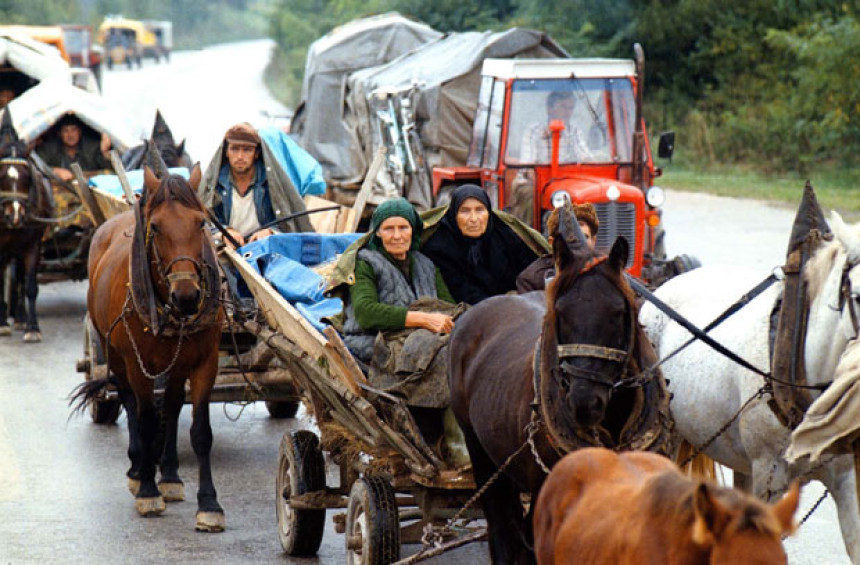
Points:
x=210, y=522
x=5, y=330
x=133, y=486
x=172, y=492
x=32, y=337
x=19, y=326
x=150, y=506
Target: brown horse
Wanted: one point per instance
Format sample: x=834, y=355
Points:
x=603, y=508
x=25, y=205
x=511, y=405
x=162, y=321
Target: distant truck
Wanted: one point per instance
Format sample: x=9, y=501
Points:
x=163, y=32
x=130, y=41
x=73, y=42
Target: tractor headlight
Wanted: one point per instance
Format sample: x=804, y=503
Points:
x=559, y=198
x=655, y=197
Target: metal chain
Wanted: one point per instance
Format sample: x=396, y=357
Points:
x=696, y=451
x=169, y=367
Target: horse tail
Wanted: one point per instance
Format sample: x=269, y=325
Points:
x=86, y=392
x=701, y=466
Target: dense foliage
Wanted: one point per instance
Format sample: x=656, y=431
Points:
x=771, y=83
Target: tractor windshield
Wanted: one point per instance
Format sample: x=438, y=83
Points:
x=598, y=116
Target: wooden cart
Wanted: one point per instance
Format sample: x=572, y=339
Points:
x=392, y=484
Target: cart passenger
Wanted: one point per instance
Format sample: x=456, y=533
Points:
x=399, y=314
x=477, y=250
x=536, y=275
x=75, y=143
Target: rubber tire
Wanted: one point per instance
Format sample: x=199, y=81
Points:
x=101, y=411
x=282, y=408
x=372, y=513
x=301, y=469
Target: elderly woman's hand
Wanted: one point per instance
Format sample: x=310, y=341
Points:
x=433, y=321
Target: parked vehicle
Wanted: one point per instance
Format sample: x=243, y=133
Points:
x=81, y=49
x=163, y=32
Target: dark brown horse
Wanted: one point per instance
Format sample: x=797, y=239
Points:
x=589, y=338
x=173, y=154
x=161, y=323
x=603, y=508
x=25, y=204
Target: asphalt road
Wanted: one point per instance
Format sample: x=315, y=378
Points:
x=63, y=496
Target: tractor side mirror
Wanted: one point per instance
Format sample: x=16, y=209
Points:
x=667, y=145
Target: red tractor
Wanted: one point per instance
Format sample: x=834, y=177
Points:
x=548, y=131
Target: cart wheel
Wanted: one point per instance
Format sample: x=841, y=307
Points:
x=301, y=469
x=282, y=408
x=102, y=411
x=372, y=523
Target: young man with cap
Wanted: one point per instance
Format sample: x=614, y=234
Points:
x=244, y=203
x=71, y=145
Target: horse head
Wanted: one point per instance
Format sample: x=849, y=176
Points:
x=172, y=153
x=17, y=194
x=736, y=527
x=177, y=240
x=591, y=310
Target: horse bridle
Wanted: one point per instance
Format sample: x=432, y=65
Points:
x=168, y=277
x=848, y=297
x=19, y=197
x=575, y=350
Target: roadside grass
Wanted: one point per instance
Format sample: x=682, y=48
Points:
x=836, y=188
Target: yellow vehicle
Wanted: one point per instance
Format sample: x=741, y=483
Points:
x=127, y=41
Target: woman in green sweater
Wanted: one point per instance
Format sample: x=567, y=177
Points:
x=399, y=315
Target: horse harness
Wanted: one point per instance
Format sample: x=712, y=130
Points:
x=162, y=317
x=25, y=200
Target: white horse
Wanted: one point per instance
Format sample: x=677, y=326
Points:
x=708, y=388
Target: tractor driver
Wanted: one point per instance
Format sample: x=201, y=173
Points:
x=70, y=145
x=537, y=143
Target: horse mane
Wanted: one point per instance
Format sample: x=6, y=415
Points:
x=174, y=187
x=14, y=149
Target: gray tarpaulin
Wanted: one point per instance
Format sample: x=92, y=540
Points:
x=39, y=107
x=445, y=73
x=356, y=45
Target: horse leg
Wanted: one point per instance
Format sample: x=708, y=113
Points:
x=16, y=297
x=839, y=478
x=7, y=283
x=506, y=526
x=135, y=444
x=148, y=500
x=170, y=485
x=32, y=334
x=210, y=515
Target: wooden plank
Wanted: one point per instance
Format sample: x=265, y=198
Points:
x=354, y=371
x=116, y=161
x=367, y=187
x=85, y=194
x=280, y=314
x=331, y=221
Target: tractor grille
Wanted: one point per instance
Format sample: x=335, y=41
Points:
x=617, y=219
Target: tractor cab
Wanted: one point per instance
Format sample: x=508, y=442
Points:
x=548, y=131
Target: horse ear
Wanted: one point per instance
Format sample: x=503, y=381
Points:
x=8, y=134
x=569, y=230
x=196, y=175
x=846, y=236
x=150, y=181
x=180, y=149
x=784, y=509
x=619, y=253
x=710, y=517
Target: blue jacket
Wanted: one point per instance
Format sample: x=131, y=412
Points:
x=262, y=199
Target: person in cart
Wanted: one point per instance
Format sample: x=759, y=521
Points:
x=480, y=251
x=73, y=142
x=398, y=315
x=247, y=188
x=536, y=275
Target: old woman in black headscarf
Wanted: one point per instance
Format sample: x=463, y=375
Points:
x=478, y=254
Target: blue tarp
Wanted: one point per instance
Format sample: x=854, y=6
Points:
x=111, y=185
x=284, y=260
x=303, y=169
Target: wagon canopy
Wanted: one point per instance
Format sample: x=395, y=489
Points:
x=366, y=42
x=440, y=80
x=35, y=60
x=35, y=111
